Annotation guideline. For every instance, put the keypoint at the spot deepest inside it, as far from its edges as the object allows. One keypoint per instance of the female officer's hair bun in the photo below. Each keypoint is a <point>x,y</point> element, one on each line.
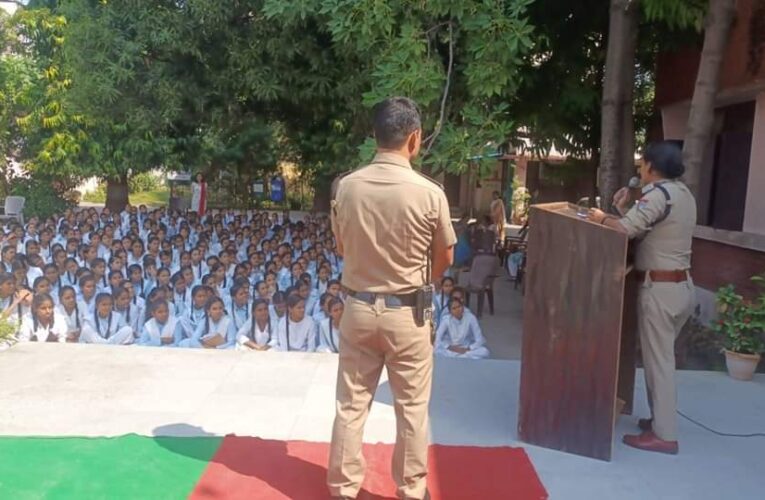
<point>665,157</point>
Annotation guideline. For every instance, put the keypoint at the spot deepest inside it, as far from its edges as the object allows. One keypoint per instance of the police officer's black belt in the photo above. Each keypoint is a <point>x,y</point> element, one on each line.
<point>403,300</point>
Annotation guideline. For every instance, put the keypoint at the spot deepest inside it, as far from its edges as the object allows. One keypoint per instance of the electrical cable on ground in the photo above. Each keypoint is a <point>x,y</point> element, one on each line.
<point>724,434</point>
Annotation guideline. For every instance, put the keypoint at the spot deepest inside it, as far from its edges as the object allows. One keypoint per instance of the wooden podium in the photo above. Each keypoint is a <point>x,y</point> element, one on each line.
<point>579,333</point>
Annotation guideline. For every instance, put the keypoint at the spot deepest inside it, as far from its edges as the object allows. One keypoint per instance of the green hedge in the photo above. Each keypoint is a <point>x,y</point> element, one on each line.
<point>41,199</point>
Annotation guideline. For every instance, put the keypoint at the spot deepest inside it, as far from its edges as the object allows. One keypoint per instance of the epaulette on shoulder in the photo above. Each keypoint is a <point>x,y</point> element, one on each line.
<point>440,186</point>
<point>336,181</point>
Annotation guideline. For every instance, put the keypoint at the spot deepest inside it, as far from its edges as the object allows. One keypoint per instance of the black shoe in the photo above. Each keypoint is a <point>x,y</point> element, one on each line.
<point>645,424</point>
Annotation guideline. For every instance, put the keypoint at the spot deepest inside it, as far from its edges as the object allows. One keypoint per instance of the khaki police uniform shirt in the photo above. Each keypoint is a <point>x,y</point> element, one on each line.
<point>387,215</point>
<point>664,245</point>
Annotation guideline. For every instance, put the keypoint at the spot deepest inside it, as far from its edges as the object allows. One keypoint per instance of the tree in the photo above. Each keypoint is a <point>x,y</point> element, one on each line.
<point>701,118</point>
<point>617,148</point>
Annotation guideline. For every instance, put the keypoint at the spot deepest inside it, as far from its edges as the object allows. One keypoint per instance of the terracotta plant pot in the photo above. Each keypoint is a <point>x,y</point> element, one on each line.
<point>741,366</point>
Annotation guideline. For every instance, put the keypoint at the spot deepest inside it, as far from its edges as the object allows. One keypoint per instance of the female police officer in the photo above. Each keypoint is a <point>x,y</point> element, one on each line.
<point>663,220</point>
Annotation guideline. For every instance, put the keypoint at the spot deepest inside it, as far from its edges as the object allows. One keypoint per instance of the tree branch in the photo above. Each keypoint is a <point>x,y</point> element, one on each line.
<point>431,139</point>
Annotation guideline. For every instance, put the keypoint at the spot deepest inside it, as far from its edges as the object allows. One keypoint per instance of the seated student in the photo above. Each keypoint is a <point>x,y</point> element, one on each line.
<point>136,303</point>
<point>43,323</point>
<point>71,313</point>
<point>296,331</point>
<point>130,313</point>
<point>459,335</point>
<point>213,332</point>
<point>278,307</point>
<point>321,312</point>
<point>115,279</point>
<point>458,293</point>
<point>70,274</point>
<point>181,293</point>
<point>149,275</point>
<point>238,305</point>
<point>87,299</point>
<point>51,273</point>
<point>441,298</point>
<point>272,283</point>
<point>261,291</point>
<point>162,329</point>
<point>104,326</point>
<point>195,314</point>
<point>135,275</point>
<point>258,332</point>
<point>42,285</point>
<point>304,291</point>
<point>98,267</point>
<point>322,280</point>
<point>15,301</point>
<point>329,329</point>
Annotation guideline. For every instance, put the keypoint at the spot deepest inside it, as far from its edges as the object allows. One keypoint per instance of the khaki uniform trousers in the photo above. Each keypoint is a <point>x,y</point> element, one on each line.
<point>663,309</point>
<point>373,336</point>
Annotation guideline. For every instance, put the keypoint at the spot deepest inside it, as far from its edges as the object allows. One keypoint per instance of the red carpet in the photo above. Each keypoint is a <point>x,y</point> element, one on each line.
<point>253,468</point>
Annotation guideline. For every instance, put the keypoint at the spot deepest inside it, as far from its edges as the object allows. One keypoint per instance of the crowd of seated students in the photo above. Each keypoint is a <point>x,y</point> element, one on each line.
<point>250,281</point>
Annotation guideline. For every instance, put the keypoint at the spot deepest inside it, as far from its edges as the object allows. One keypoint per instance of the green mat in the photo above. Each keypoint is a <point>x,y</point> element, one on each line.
<point>128,467</point>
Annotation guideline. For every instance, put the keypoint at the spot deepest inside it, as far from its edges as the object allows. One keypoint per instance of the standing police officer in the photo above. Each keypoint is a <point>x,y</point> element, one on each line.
<point>386,218</point>
<point>663,219</point>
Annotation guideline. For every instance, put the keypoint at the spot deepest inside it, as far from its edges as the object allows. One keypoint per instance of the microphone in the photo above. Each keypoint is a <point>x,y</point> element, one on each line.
<point>634,193</point>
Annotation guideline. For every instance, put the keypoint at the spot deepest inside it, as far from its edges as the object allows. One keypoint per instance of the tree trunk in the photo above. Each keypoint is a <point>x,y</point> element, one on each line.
<point>701,119</point>
<point>116,193</point>
<point>322,192</point>
<point>617,143</point>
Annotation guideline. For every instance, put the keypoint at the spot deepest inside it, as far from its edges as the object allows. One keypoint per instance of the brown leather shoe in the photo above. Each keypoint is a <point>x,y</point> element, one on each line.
<point>645,424</point>
<point>648,441</point>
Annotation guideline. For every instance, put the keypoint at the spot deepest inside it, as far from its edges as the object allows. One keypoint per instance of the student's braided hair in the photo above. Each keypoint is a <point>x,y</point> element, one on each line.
<point>213,300</point>
<point>37,302</point>
<point>332,303</point>
<point>99,299</point>
<point>292,302</point>
<point>61,292</point>
<point>255,305</point>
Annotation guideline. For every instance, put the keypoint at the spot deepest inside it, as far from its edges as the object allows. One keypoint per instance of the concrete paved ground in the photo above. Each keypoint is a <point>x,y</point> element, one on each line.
<point>88,390</point>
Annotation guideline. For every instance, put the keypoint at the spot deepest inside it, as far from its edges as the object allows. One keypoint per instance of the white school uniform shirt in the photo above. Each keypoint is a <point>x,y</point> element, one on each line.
<point>153,332</point>
<point>191,319</point>
<point>32,274</point>
<point>182,301</point>
<point>31,331</point>
<point>222,327</point>
<point>239,315</point>
<point>200,270</point>
<point>102,285</point>
<point>134,317</point>
<point>329,337</point>
<point>74,321</point>
<point>104,327</point>
<point>132,260</point>
<point>104,253</point>
<point>465,332</point>
<point>302,335</point>
<point>69,279</point>
<point>266,336</point>
<point>86,307</point>
<point>45,253</point>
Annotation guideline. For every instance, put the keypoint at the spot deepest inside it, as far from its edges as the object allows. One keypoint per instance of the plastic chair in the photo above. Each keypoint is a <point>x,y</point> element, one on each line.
<point>480,281</point>
<point>13,209</point>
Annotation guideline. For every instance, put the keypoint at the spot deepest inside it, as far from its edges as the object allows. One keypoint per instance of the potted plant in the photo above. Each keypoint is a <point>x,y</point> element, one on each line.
<point>741,322</point>
<point>7,334</point>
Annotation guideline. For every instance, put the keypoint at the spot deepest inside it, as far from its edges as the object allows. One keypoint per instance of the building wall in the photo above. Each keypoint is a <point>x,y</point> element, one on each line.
<point>754,217</point>
<point>676,75</point>
<point>715,264</point>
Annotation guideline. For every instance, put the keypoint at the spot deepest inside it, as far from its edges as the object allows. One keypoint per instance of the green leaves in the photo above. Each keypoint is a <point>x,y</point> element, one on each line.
<point>741,322</point>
